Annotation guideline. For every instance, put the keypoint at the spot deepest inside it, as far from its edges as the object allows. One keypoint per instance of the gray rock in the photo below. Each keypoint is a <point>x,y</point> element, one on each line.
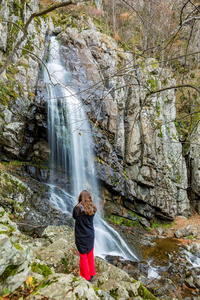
<point>179,233</point>
<point>57,30</point>
<point>160,231</point>
<point>13,256</point>
<point>42,150</point>
<point>190,284</point>
<point>145,222</point>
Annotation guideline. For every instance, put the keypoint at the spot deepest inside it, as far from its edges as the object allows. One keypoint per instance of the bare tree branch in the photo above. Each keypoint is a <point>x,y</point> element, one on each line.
<point>173,87</point>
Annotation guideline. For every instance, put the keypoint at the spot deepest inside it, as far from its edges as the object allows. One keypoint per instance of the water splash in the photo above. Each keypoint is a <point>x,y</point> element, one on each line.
<point>192,259</point>
<point>70,140</point>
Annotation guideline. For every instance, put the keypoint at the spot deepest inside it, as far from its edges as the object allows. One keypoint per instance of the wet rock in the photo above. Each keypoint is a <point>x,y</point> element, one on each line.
<point>160,231</point>
<point>145,223</point>
<point>37,173</point>
<point>190,284</point>
<point>179,233</point>
<point>147,243</point>
<point>197,283</point>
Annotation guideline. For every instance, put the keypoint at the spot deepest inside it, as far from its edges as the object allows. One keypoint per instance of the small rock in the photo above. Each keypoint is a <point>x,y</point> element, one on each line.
<point>179,233</point>
<point>190,284</point>
<point>160,231</point>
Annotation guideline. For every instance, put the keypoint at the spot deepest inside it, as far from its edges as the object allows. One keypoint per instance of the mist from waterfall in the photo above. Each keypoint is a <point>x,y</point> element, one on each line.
<point>70,140</point>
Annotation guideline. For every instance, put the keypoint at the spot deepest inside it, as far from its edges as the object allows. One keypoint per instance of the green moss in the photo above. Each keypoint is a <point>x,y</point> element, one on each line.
<point>114,293</point>
<point>43,284</point>
<point>10,228</point>
<point>168,225</point>
<point>11,69</point>
<point>95,288</point>
<point>160,134</point>
<point>65,263</point>
<point>9,271</point>
<point>158,107</point>
<point>75,279</point>
<point>152,83</point>
<point>6,291</point>
<point>191,237</point>
<point>39,256</point>
<point>18,247</point>
<point>145,294</point>
<point>123,221</point>
<point>41,269</point>
<point>2,213</point>
<point>7,91</point>
<point>155,224</point>
<point>28,46</point>
<point>37,21</point>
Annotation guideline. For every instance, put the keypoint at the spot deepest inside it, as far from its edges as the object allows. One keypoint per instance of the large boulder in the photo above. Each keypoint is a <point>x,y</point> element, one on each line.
<point>14,255</point>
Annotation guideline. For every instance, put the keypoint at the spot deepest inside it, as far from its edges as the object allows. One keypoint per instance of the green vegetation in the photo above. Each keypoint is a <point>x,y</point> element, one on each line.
<point>18,247</point>
<point>155,224</point>
<point>145,294</point>
<point>7,91</point>
<point>75,279</point>
<point>9,271</point>
<point>168,225</point>
<point>95,288</point>
<point>114,293</point>
<point>191,237</point>
<point>123,221</point>
<point>41,269</point>
<point>65,263</point>
<point>6,291</point>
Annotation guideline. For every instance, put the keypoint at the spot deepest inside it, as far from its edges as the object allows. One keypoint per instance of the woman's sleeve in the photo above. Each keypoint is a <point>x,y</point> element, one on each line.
<point>74,213</point>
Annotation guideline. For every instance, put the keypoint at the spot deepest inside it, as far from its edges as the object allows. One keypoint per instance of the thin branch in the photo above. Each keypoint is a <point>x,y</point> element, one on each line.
<point>30,52</point>
<point>19,27</point>
<point>173,87</point>
<point>182,11</point>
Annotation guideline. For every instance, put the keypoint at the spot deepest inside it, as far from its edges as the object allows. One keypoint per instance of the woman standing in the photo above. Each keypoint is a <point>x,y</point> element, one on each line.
<point>84,213</point>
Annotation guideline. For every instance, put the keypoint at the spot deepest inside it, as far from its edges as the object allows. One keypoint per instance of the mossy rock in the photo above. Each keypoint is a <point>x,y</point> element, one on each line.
<point>42,269</point>
<point>9,271</point>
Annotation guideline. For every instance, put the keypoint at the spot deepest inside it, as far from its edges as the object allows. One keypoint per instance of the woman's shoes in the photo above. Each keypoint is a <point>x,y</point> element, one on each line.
<point>91,279</point>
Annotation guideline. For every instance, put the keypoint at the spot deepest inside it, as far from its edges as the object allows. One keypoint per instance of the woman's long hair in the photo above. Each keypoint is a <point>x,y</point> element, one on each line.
<point>85,200</point>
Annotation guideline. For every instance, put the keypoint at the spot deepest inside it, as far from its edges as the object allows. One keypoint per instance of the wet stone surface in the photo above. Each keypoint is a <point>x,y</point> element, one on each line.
<point>164,266</point>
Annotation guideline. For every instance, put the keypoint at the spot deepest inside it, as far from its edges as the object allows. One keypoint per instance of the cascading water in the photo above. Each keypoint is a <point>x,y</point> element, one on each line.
<point>71,150</point>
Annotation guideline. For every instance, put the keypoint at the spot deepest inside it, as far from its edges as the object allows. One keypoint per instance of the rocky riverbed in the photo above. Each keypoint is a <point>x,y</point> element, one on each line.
<point>169,266</point>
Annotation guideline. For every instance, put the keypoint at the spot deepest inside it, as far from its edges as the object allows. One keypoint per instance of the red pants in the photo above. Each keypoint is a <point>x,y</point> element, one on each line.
<point>86,265</point>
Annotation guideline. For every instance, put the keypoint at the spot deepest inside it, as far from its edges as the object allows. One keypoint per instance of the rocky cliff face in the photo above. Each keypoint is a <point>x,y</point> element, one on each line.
<point>21,119</point>
<point>193,170</point>
<point>139,156</point>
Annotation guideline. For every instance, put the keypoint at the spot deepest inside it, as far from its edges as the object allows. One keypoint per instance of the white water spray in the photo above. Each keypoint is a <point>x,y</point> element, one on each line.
<point>70,140</point>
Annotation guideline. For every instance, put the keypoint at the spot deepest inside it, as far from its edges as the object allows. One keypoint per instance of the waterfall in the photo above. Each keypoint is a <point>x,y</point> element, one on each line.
<point>70,140</point>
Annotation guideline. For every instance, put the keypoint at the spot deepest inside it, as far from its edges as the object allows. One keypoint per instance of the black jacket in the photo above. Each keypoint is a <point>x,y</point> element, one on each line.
<point>84,230</point>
